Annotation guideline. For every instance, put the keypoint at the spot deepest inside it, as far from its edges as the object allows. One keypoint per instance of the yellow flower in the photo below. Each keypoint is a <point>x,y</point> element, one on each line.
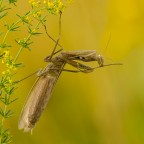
<point>34,3</point>
<point>50,4</point>
<point>9,80</point>
<point>27,19</point>
<point>37,14</point>
<point>6,53</point>
<point>61,7</point>
<point>60,4</point>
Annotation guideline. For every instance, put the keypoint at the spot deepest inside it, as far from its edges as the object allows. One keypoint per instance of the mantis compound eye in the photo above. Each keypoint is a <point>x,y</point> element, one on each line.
<point>80,58</point>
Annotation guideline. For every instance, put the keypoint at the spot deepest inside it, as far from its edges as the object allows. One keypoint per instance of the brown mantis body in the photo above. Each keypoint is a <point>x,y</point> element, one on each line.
<point>40,94</point>
<point>42,90</point>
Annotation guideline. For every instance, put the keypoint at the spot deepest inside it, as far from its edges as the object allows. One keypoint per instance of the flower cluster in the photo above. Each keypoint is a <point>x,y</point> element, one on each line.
<point>10,65</point>
<point>52,6</point>
<point>57,6</point>
<point>8,61</point>
<point>26,19</point>
<point>37,14</point>
<point>34,3</point>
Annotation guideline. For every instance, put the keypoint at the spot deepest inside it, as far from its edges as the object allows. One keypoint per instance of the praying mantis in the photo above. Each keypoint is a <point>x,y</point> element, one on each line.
<point>47,78</point>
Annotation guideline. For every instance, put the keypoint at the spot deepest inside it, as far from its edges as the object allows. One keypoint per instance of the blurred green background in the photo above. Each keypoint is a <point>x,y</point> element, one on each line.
<point>103,107</point>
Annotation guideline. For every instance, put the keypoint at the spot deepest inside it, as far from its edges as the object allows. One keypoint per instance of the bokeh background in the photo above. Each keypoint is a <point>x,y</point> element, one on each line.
<point>103,107</point>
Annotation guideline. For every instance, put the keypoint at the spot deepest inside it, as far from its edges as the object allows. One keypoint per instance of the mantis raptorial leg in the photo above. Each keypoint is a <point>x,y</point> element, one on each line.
<point>56,41</point>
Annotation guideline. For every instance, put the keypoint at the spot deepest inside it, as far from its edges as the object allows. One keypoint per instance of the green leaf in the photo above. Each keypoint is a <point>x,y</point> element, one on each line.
<point>8,113</point>
<point>23,18</point>
<point>18,65</point>
<point>12,1</point>
<point>3,15</point>
<point>13,27</point>
<point>1,55</point>
<point>1,112</point>
<point>11,90</point>
<point>24,43</point>
<point>6,137</point>
<point>5,99</point>
<point>4,45</point>
<point>4,8</point>
<point>14,100</point>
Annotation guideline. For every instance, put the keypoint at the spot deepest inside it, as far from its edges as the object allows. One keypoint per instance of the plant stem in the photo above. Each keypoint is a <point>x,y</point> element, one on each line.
<point>2,122</point>
<point>5,108</point>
